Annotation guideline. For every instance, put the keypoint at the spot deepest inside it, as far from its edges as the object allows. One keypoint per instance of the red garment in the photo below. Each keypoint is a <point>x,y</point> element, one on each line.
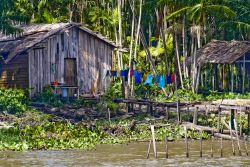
<point>131,72</point>
<point>172,78</point>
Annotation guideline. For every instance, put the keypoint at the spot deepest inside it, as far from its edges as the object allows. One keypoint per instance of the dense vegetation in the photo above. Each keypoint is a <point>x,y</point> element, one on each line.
<point>160,35</point>
<point>25,128</point>
<point>173,29</point>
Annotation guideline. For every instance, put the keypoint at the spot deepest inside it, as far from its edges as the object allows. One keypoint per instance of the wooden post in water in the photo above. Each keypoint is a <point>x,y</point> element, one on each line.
<point>150,141</point>
<point>221,147</point>
<point>195,117</point>
<point>212,147</point>
<point>186,141</point>
<point>153,138</point>
<point>237,136</point>
<point>166,147</point>
<point>231,134</point>
<point>245,141</point>
<point>200,143</point>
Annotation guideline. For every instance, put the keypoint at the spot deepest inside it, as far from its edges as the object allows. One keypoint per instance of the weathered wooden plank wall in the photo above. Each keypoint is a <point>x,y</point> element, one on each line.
<point>92,55</point>
<point>15,73</point>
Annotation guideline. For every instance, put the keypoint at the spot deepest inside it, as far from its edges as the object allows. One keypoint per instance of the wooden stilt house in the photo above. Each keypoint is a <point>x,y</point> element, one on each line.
<point>66,53</point>
<point>224,66</point>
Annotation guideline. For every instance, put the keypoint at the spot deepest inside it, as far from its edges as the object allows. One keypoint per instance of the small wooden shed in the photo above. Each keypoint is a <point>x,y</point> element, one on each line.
<point>68,53</point>
<point>230,64</point>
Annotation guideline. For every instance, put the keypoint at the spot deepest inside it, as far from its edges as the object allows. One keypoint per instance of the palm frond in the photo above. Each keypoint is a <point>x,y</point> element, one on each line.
<point>178,13</point>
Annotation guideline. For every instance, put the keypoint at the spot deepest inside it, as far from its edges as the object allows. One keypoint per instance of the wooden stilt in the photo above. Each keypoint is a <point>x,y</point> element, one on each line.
<point>109,115</point>
<point>232,118</point>
<point>186,141</point>
<point>150,141</point>
<point>153,138</point>
<point>132,107</point>
<point>221,147</point>
<point>219,120</point>
<point>248,121</point>
<point>200,143</point>
<point>231,134</point>
<point>245,142</point>
<point>167,113</point>
<point>240,123</point>
<point>212,147</point>
<point>237,136</point>
<point>195,116</point>
<point>166,147</point>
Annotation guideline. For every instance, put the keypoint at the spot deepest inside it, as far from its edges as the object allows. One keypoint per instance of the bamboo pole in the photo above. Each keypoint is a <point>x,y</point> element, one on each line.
<point>237,136</point>
<point>153,138</point>
<point>186,141</point>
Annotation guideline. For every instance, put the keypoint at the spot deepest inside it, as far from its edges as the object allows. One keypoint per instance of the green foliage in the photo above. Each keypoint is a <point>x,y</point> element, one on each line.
<point>13,100</point>
<point>115,90</point>
<point>49,97</point>
<point>11,12</point>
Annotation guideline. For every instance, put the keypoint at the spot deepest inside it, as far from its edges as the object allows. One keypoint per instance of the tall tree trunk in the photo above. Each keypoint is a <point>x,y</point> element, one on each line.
<point>138,30</point>
<point>120,29</point>
<point>184,45</point>
<point>131,49</point>
<point>178,59</point>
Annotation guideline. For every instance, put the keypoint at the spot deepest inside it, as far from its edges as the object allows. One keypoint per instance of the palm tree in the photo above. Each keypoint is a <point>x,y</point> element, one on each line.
<point>198,14</point>
<point>11,14</point>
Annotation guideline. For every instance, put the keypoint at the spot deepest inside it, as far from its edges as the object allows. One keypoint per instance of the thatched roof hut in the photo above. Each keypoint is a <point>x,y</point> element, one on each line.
<point>229,65</point>
<point>222,52</point>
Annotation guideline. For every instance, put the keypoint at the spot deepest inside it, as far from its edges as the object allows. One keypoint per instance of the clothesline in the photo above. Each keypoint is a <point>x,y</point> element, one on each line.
<point>147,79</point>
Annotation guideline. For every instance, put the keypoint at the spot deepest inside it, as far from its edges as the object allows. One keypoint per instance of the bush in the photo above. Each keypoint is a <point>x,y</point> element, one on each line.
<point>49,97</point>
<point>13,100</point>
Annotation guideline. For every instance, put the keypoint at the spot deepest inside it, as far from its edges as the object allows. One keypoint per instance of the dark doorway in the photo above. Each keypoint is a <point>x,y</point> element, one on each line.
<point>70,73</point>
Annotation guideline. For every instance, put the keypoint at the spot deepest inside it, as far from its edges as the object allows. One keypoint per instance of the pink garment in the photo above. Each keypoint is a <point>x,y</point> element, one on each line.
<point>131,72</point>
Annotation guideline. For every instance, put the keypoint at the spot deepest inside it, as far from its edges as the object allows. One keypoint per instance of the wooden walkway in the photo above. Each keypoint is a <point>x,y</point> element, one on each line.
<point>195,109</point>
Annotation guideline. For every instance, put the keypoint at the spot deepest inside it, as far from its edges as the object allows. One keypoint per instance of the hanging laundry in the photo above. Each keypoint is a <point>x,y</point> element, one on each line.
<point>149,80</point>
<point>168,79</point>
<point>138,76</point>
<point>131,72</point>
<point>161,83</point>
<point>113,73</point>
<point>157,78</point>
<point>124,73</point>
<point>172,78</point>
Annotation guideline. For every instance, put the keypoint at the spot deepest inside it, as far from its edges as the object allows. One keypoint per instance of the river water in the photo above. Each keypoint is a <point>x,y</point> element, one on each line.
<point>132,154</point>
